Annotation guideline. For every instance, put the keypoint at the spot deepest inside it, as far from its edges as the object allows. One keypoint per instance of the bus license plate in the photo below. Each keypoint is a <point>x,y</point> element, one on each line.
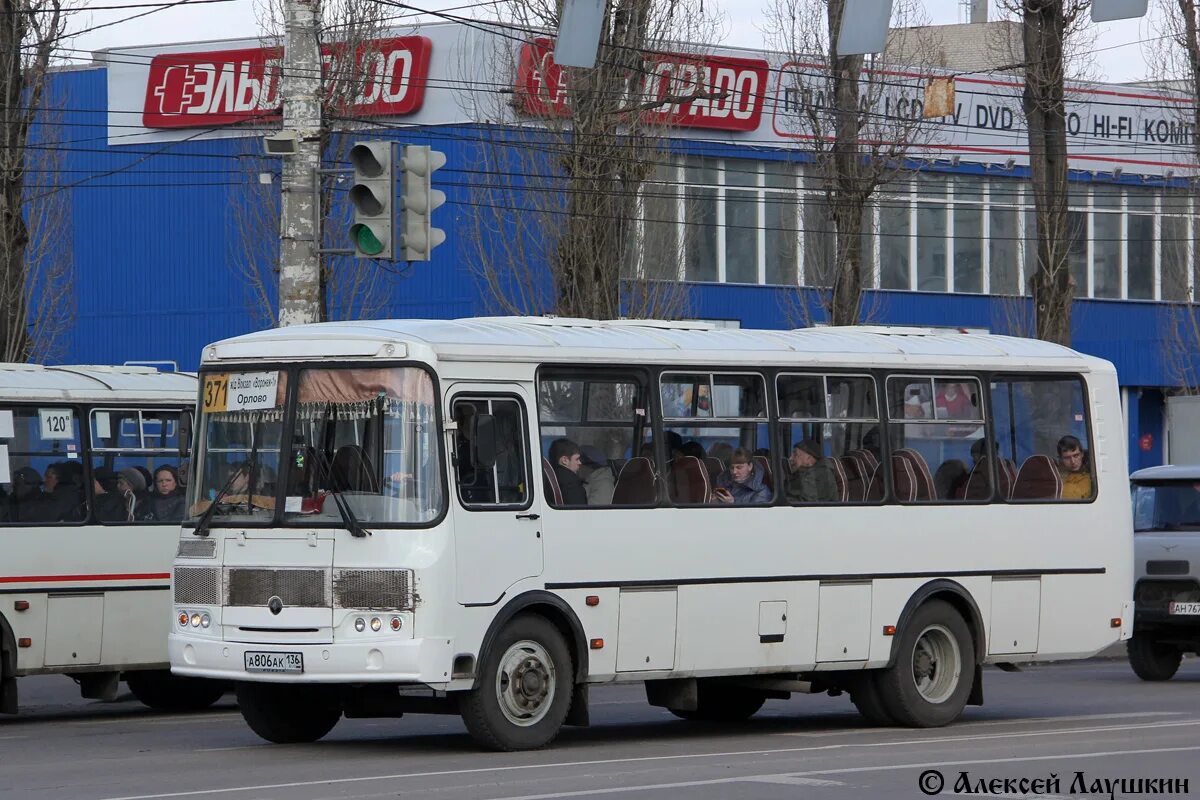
<point>1184,609</point>
<point>274,662</point>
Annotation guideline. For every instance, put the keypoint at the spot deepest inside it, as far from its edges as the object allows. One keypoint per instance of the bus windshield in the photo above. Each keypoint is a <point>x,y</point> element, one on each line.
<point>366,434</point>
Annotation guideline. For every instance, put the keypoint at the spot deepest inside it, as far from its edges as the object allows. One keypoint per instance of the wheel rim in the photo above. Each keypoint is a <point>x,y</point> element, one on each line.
<point>936,663</point>
<point>525,683</point>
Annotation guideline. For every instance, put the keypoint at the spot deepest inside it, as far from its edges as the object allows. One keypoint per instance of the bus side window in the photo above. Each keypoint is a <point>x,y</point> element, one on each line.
<point>937,433</point>
<point>1043,438</point>
<point>830,427</point>
<point>490,452</point>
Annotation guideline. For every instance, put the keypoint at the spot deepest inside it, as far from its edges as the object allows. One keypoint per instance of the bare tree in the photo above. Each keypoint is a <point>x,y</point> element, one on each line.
<point>35,268</point>
<point>569,199</point>
<point>1174,58</point>
<point>349,288</point>
<point>859,117</point>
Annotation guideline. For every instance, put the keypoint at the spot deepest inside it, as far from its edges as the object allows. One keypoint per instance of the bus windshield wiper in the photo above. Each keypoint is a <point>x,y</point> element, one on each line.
<point>206,518</point>
<point>343,505</point>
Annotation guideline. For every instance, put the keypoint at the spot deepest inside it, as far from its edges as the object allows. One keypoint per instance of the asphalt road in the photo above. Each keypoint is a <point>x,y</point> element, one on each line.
<point>1094,719</point>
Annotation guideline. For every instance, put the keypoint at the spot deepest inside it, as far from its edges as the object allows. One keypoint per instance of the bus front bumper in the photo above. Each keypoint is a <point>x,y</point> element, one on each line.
<point>425,661</point>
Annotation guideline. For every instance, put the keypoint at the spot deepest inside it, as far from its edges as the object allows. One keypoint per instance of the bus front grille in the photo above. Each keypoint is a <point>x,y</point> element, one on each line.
<point>373,589</point>
<point>297,588</point>
<point>197,586</point>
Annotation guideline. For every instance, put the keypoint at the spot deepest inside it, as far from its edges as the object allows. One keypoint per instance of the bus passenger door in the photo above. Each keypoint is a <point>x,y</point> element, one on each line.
<point>497,527</point>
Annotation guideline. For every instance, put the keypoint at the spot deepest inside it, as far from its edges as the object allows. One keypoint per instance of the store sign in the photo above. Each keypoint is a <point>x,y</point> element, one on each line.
<point>683,90</point>
<point>223,87</point>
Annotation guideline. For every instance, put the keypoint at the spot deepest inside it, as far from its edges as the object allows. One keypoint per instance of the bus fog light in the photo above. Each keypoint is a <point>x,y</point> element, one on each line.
<point>397,623</point>
<point>360,624</point>
<point>183,619</point>
<point>195,620</point>
<point>205,621</point>
<point>376,624</point>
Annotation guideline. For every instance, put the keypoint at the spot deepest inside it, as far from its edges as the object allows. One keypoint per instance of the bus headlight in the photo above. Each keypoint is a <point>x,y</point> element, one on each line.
<point>360,624</point>
<point>195,620</point>
<point>376,624</point>
<point>205,621</point>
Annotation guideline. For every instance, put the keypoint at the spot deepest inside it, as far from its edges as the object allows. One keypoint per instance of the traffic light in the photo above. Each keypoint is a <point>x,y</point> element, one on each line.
<point>418,200</point>
<point>371,195</point>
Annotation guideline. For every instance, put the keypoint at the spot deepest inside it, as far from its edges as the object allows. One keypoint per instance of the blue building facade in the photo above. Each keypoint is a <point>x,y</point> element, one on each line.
<point>157,240</point>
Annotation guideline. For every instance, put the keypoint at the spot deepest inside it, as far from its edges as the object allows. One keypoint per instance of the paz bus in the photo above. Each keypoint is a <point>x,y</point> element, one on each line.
<point>84,581</point>
<point>385,518</point>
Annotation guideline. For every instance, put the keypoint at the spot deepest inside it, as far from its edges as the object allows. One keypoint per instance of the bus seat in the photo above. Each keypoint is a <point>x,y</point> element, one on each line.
<point>867,461</point>
<point>1037,479</point>
<point>951,479</point>
<point>923,488</point>
<point>550,485</point>
<point>637,484</point>
<point>874,492</point>
<point>856,480</point>
<point>840,479</point>
<point>904,479</point>
<point>1008,477</point>
<point>715,467</point>
<point>978,486</point>
<point>688,480</point>
<point>763,465</point>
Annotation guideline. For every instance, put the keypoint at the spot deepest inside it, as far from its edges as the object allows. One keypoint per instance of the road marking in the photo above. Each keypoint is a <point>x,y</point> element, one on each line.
<point>674,757</point>
<point>1015,734</point>
<point>157,719</point>
<point>849,770</point>
<point>984,723</point>
<point>14,737</point>
<point>792,780</point>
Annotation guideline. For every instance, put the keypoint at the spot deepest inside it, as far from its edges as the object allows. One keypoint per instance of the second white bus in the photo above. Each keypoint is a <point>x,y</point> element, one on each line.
<point>488,516</point>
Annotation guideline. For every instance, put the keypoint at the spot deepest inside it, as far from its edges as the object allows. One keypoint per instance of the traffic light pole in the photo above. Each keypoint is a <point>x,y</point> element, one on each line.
<point>299,260</point>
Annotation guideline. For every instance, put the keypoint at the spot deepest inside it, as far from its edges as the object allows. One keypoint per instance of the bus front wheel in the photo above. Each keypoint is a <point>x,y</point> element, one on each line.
<point>289,714</point>
<point>1152,661</point>
<point>929,683</point>
<point>523,689</point>
<point>162,691</point>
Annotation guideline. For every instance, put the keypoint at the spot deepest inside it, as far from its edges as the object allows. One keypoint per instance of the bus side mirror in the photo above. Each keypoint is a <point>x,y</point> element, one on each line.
<point>483,440</point>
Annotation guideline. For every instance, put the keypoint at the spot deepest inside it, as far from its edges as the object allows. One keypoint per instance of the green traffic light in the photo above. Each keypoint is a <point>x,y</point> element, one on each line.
<point>366,240</point>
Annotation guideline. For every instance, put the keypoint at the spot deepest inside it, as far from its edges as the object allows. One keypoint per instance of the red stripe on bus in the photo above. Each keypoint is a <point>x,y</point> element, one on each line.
<point>116,576</point>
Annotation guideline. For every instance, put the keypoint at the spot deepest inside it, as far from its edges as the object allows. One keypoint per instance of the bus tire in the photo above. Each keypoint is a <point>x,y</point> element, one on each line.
<point>289,714</point>
<point>1151,660</point>
<point>930,681</point>
<point>865,694</point>
<point>717,703</point>
<point>162,691</point>
<point>523,688</point>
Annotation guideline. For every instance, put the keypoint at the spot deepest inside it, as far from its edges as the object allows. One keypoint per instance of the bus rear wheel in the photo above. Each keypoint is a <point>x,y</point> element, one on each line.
<point>162,691</point>
<point>1151,660</point>
<point>523,689</point>
<point>717,703</point>
<point>288,714</point>
<point>930,682</point>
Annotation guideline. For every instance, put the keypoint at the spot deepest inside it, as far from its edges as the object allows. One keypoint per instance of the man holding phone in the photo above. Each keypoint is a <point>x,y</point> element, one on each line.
<point>742,483</point>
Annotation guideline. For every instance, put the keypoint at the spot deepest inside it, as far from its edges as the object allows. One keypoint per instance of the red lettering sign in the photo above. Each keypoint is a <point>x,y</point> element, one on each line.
<point>223,87</point>
<point>687,91</point>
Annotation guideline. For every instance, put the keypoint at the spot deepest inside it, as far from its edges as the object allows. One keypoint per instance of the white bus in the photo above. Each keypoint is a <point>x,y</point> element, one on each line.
<point>85,549</point>
<point>397,519</point>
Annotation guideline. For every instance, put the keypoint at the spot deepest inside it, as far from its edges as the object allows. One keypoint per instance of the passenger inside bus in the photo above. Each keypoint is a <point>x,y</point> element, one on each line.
<point>566,460</point>
<point>597,476</point>
<point>131,486</point>
<point>743,483</point>
<point>1074,469</point>
<point>24,502</point>
<point>109,505</point>
<point>166,502</point>
<point>810,479</point>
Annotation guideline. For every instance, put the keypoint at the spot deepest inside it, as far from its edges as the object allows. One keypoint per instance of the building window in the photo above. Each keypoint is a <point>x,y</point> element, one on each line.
<point>781,222</point>
<point>1173,245</point>
<point>1003,237</point>
<point>895,230</point>
<point>700,218</point>
<point>968,234</point>
<point>660,203</point>
<point>1106,241</point>
<point>1139,244</point>
<point>931,234</point>
<point>741,221</point>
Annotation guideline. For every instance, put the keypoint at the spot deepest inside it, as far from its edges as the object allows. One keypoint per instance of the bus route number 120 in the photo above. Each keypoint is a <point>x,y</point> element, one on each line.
<point>216,392</point>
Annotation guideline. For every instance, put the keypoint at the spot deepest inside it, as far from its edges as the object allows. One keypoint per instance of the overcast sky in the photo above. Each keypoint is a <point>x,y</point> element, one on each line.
<point>1119,56</point>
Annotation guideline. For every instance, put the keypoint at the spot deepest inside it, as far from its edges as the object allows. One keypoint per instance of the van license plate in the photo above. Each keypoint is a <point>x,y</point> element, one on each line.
<point>1184,609</point>
<point>274,662</point>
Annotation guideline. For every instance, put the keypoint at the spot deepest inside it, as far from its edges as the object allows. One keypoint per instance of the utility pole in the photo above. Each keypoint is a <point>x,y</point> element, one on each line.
<point>299,261</point>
